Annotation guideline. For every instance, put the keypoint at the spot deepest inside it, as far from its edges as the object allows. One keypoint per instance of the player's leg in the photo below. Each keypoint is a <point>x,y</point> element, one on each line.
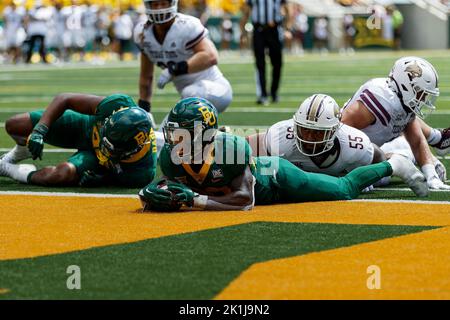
<point>18,128</point>
<point>218,92</point>
<point>276,59</point>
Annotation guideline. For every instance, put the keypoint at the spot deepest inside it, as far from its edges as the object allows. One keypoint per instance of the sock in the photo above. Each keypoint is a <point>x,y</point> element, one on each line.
<point>434,137</point>
<point>365,176</point>
<point>18,172</point>
<point>17,154</point>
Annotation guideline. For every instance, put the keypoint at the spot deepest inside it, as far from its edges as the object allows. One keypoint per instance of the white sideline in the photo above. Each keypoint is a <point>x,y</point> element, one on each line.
<point>131,196</point>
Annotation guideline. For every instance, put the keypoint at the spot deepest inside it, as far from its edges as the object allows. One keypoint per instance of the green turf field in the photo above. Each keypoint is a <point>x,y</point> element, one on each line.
<point>196,255</point>
<point>29,88</point>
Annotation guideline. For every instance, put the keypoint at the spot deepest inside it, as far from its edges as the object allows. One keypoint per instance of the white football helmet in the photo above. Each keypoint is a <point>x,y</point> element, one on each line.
<point>161,15</point>
<point>416,81</point>
<point>315,124</point>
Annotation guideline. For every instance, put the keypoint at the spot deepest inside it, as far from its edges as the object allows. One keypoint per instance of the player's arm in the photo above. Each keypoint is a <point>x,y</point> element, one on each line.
<point>357,116</point>
<point>145,82</point>
<point>419,146</point>
<point>241,196</point>
<point>205,56</point>
<point>82,103</point>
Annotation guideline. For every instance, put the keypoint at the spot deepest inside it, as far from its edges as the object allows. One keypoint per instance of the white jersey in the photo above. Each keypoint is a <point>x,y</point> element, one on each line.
<point>13,19</point>
<point>352,149</point>
<point>183,35</point>
<point>391,115</point>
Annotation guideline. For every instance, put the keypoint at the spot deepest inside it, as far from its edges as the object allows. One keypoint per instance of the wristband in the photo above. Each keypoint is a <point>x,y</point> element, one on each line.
<point>177,69</point>
<point>41,128</point>
<point>144,105</point>
<point>429,171</point>
<point>200,202</point>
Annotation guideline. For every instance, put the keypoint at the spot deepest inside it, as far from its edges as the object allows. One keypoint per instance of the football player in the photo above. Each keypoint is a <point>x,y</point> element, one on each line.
<point>211,170</point>
<point>114,138</point>
<point>178,44</point>
<point>385,108</point>
<point>315,140</point>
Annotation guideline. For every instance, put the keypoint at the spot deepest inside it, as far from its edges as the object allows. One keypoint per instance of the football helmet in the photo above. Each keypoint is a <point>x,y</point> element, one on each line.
<point>416,82</point>
<point>162,15</point>
<point>315,124</point>
<point>123,134</point>
<point>197,118</point>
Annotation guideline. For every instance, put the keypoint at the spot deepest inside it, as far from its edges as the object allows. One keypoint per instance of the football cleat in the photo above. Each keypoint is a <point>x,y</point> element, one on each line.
<point>16,154</point>
<point>403,168</point>
<point>443,146</point>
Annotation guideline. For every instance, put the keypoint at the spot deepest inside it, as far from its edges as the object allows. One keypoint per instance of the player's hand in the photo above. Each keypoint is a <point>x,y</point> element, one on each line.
<point>35,141</point>
<point>164,79</point>
<point>436,184</point>
<point>157,197</point>
<point>91,179</point>
<point>184,194</point>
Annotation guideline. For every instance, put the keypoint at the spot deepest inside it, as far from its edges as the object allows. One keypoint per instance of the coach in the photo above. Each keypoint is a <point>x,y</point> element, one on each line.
<point>267,19</point>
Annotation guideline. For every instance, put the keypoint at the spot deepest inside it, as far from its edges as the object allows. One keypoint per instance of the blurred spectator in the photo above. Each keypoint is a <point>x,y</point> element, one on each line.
<point>74,39</point>
<point>14,32</point>
<point>397,24</point>
<point>300,27</point>
<point>89,19</point>
<point>227,32</point>
<point>56,29</point>
<point>102,25</point>
<point>37,19</point>
<point>321,34</point>
<point>349,34</point>
<point>123,32</point>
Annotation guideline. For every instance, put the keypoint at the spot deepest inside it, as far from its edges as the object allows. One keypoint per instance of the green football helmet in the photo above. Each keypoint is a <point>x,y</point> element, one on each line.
<point>196,115</point>
<point>123,134</point>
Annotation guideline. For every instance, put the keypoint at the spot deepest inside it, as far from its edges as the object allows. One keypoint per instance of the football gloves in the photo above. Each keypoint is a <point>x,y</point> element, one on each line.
<point>35,141</point>
<point>166,196</point>
<point>90,179</point>
<point>164,79</point>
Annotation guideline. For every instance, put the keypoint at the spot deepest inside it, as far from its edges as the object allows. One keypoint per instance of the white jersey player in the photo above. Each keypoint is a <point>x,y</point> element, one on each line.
<point>316,141</point>
<point>386,108</point>
<point>178,44</point>
<point>13,17</point>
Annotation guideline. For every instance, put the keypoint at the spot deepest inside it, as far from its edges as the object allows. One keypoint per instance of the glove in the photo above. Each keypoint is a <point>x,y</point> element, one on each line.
<point>145,105</point>
<point>164,79</point>
<point>35,141</point>
<point>90,179</point>
<point>432,177</point>
<point>157,197</point>
<point>183,193</point>
<point>436,184</point>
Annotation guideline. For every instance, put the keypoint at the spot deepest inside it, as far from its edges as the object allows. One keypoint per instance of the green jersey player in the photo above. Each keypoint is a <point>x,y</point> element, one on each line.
<point>114,139</point>
<point>211,170</point>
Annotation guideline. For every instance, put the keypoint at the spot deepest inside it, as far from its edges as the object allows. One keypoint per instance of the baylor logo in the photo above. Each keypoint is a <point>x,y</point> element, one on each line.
<point>141,138</point>
<point>208,116</point>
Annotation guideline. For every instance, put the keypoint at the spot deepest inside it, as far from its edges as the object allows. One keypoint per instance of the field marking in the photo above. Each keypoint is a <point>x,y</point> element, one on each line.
<point>67,224</point>
<point>230,110</point>
<point>132,196</point>
<point>406,189</point>
<point>413,266</point>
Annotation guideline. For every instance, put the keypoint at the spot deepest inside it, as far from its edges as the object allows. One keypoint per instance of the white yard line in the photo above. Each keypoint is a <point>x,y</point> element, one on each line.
<point>406,189</point>
<point>131,196</point>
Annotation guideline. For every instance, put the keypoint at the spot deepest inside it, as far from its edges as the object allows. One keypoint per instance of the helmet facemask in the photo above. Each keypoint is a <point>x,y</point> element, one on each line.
<point>188,143</point>
<point>159,16</point>
<point>313,141</point>
<point>423,101</point>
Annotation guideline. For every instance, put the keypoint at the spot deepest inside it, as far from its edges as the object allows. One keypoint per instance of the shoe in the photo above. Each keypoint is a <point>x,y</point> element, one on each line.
<point>403,168</point>
<point>275,99</point>
<point>17,154</point>
<point>262,101</point>
<point>443,146</point>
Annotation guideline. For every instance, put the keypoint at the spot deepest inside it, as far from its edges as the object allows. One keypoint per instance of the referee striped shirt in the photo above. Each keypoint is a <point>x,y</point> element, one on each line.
<point>266,11</point>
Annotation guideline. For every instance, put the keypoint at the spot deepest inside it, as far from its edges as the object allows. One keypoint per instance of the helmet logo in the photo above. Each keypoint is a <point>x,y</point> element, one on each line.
<point>208,116</point>
<point>414,71</point>
<point>141,138</point>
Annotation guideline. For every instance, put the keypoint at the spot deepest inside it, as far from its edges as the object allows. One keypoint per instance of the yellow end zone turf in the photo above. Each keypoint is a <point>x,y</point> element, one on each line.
<point>33,226</point>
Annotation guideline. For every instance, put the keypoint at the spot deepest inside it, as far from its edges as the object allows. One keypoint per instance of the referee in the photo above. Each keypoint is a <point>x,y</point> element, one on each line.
<point>267,19</point>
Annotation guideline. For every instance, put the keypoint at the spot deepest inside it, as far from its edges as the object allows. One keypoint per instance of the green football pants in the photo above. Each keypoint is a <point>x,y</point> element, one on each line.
<point>279,181</point>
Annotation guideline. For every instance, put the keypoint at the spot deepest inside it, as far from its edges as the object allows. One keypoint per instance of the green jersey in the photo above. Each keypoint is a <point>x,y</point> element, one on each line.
<point>225,159</point>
